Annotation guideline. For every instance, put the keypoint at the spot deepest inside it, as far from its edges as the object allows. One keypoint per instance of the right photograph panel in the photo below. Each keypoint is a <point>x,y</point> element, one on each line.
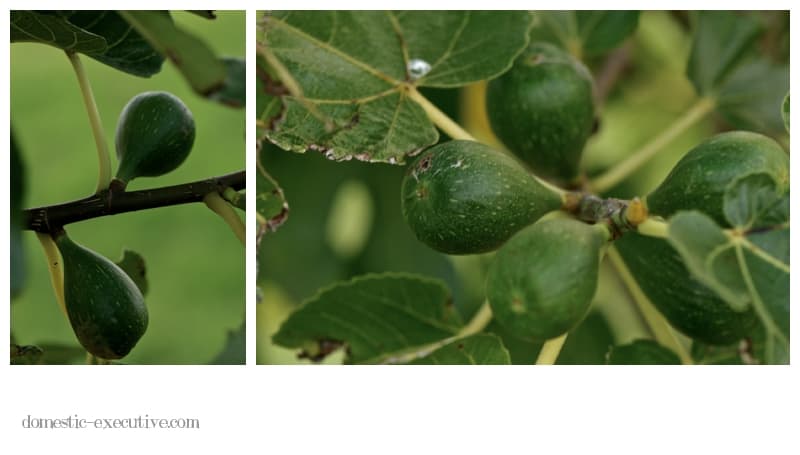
<point>515,187</point>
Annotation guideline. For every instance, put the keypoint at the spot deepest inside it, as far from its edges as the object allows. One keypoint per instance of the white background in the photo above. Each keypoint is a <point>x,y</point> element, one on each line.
<point>403,410</point>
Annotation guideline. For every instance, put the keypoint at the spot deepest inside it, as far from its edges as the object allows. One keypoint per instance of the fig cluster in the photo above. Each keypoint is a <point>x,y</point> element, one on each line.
<point>463,197</point>
<point>106,309</point>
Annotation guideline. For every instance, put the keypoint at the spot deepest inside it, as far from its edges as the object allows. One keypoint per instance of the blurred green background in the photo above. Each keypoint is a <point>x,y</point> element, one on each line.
<point>350,223</point>
<point>195,265</point>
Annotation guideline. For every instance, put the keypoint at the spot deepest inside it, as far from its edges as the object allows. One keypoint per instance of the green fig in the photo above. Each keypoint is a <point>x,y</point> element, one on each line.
<point>699,180</point>
<point>105,308</point>
<point>688,305</point>
<point>543,110</point>
<point>462,197</point>
<point>155,134</point>
<point>642,352</point>
<point>542,281</point>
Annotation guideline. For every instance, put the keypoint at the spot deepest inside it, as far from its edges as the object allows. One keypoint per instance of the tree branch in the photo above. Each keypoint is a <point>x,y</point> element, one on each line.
<point>52,218</point>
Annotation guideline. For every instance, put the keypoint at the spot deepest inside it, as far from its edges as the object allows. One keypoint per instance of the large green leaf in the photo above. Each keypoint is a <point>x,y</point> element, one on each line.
<point>721,41</point>
<point>18,188</point>
<point>481,349</point>
<point>344,82</point>
<point>585,33</point>
<point>101,35</point>
<point>374,316</point>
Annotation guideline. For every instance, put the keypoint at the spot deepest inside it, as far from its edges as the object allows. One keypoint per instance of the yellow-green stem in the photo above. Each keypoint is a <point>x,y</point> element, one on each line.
<point>634,161</point>
<point>54,267</point>
<point>439,118</point>
<point>550,351</point>
<point>222,208</point>
<point>103,157</point>
<point>655,321</point>
<point>653,228</point>
<point>478,322</point>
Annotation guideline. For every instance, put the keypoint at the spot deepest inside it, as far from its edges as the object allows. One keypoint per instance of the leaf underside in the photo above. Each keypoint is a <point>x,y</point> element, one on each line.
<point>101,35</point>
<point>350,72</point>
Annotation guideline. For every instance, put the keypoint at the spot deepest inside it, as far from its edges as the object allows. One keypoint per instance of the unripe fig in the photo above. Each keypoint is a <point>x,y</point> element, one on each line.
<point>542,281</point>
<point>155,134</point>
<point>687,304</point>
<point>105,308</point>
<point>462,197</point>
<point>543,110</point>
<point>699,180</point>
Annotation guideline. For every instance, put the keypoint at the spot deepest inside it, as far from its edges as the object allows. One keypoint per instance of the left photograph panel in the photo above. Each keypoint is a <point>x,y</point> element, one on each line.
<point>127,187</point>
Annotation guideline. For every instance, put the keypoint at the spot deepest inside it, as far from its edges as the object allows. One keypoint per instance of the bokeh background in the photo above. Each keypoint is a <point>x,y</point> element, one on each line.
<point>195,265</point>
<point>345,218</point>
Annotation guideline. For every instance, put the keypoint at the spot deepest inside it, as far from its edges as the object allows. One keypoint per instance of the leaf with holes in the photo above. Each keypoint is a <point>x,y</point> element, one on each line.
<point>481,349</point>
<point>374,317</point>
<point>585,33</point>
<point>101,35</point>
<point>345,83</point>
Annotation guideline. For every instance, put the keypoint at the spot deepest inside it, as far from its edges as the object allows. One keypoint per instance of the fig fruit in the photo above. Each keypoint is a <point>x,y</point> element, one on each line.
<point>688,305</point>
<point>462,197</point>
<point>699,180</point>
<point>105,308</point>
<point>542,281</point>
<point>542,109</point>
<point>155,134</point>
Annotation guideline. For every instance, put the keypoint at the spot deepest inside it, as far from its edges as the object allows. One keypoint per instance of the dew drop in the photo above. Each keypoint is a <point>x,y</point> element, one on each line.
<point>418,68</point>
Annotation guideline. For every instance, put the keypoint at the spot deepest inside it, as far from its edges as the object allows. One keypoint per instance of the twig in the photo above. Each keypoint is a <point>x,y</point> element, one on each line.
<point>52,218</point>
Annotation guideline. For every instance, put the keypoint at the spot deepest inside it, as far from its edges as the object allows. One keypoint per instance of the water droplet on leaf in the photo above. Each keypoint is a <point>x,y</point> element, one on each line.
<point>418,68</point>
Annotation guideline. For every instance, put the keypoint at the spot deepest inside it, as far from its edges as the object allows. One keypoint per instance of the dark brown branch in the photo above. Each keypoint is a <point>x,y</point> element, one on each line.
<point>52,218</point>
